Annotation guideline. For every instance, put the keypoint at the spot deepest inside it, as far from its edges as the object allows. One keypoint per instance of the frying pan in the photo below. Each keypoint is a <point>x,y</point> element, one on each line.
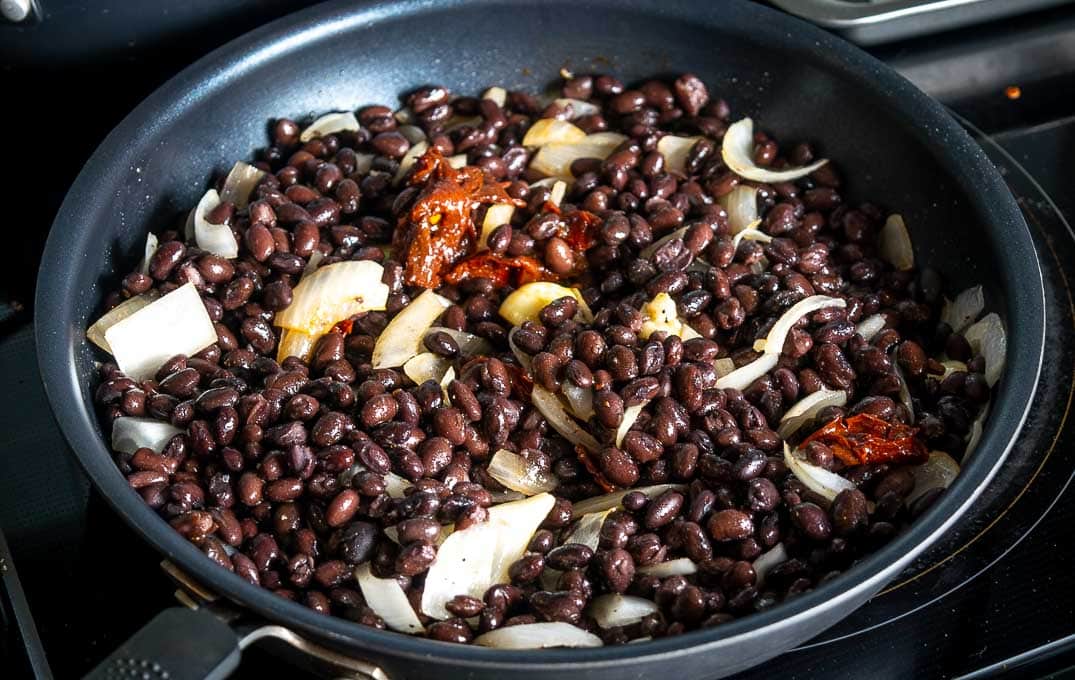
<point>895,145</point>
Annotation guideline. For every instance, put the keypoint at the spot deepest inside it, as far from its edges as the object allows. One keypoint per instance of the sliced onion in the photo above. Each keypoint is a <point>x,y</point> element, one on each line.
<point>497,95</point>
<point>408,160</point>
<point>576,108</point>
<point>557,193</point>
<point>403,337</point>
<point>412,133</point>
<point>819,480</point>
<point>553,409</point>
<point>130,434</point>
<point>506,496</point>
<point>742,377</point>
<point>952,366</point>
<point>396,486</point>
<point>579,400</point>
<point>496,215</point>
<point>552,131</point>
<point>526,302</point>
<point>188,226</point>
<point>469,344</point>
<point>240,183</point>
<point>150,250</point>
<point>538,636</point>
<point>612,610</point>
<point>660,314</point>
<point>313,262</point>
<point>213,238</point>
<point>613,500</point>
<point>363,163</point>
<point>514,472</point>
<point>630,415</point>
<point>426,366</point>
<point>682,566</point>
<point>751,233</point>
<point>724,367</point>
<point>472,560</point>
<point>457,161</point>
<point>938,472</point>
<point>742,206</point>
<point>778,554</point>
<point>987,337</point>
<point>649,250</point>
<point>905,390</point>
<point>387,600</point>
<point>295,343</point>
<point>774,341</point>
<point>959,313</point>
<point>806,409</point>
<point>330,123</point>
<point>334,293</point>
<point>96,332</point>
<point>737,150</point>
<point>587,530</point>
<point>675,151</point>
<point>895,245</point>
<point>456,122</point>
<point>176,323</point>
<point>522,357</point>
<point>686,332</point>
<point>446,380</point>
<point>555,160</point>
<point>871,326</point>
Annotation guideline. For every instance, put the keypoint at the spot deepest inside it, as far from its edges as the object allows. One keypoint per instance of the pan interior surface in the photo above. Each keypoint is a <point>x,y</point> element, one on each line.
<point>892,144</point>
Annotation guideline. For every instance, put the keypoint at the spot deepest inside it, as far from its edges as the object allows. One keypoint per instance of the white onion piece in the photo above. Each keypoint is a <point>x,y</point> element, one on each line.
<point>522,357</point>
<point>387,600</point>
<point>895,244</point>
<point>660,314</point>
<point>579,400</point>
<point>737,150</point>
<point>213,238</point>
<point>959,313</point>
<point>412,133</point>
<point>905,390</point>
<point>723,367</point>
<point>778,554</point>
<point>612,610</point>
<point>240,183</point>
<point>456,122</point>
<point>497,95</point>
<point>468,343</point>
<point>446,380</point>
<point>557,192</point>
<point>363,163</point>
<point>404,116</point>
<point>552,131</point>
<point>330,123</point>
<point>176,323</point>
<point>807,408</point>
<point>686,332</point>
<point>403,336</point>
<point>611,501</point>
<point>408,160</point>
<point>819,480</point>
<point>150,250</point>
<point>334,293</point>
<point>538,636</point>
<point>742,377</point>
<point>576,108</point>
<point>587,530</point>
<point>514,472</point>
<point>545,183</point>
<point>130,434</point>
<point>871,326</point>
<point>987,337</point>
<point>774,341</point>
<point>649,250</point>
<point>751,233</point>
<point>526,302</point>
<point>188,226</point>
<point>507,496</point>
<point>675,151</point>
<point>457,161</point>
<point>496,215</point>
<point>553,409</point>
<point>472,560</point>
<point>295,343</point>
<point>555,160</point>
<point>938,472</point>
<point>630,415</point>
<point>682,566</point>
<point>313,262</point>
<point>742,206</point>
<point>396,486</point>
<point>426,366</point>
<point>96,332</point>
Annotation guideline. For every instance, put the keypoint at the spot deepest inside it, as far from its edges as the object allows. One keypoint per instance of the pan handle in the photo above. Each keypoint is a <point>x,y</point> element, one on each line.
<point>178,644</point>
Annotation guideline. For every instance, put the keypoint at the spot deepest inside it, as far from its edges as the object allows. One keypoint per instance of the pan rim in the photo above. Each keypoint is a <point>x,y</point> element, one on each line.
<point>972,174</point>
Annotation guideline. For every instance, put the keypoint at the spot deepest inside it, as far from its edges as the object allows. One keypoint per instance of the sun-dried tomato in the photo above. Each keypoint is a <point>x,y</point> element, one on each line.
<point>344,326</point>
<point>582,227</point>
<point>863,438</point>
<point>584,457</point>
<point>439,229</point>
<point>501,270</point>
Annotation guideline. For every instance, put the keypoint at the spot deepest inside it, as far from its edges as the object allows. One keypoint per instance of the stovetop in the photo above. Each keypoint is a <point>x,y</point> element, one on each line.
<point>994,596</point>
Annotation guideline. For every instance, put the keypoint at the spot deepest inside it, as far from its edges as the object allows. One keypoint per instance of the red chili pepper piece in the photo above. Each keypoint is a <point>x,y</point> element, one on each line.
<point>582,227</point>
<point>584,457</point>
<point>863,438</point>
<point>344,326</point>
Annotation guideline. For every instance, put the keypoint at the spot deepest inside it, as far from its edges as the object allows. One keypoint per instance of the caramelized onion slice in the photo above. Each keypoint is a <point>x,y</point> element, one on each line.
<point>737,150</point>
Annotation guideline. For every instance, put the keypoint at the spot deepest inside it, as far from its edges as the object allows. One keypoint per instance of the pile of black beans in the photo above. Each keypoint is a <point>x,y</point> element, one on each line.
<point>262,477</point>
